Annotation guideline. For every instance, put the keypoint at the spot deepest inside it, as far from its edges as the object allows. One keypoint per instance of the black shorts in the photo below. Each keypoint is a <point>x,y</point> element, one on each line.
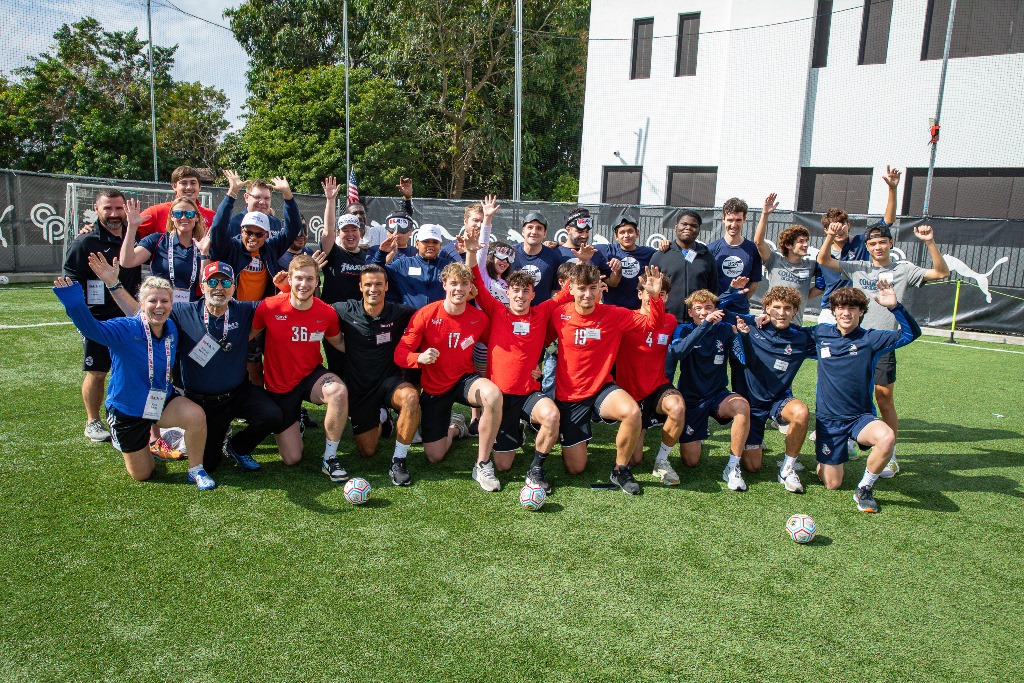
<point>649,415</point>
<point>513,409</point>
<point>290,402</point>
<point>831,437</point>
<point>129,433</point>
<point>364,409</point>
<point>575,416</point>
<point>436,410</point>
<point>255,351</point>
<point>95,357</point>
<point>885,369</point>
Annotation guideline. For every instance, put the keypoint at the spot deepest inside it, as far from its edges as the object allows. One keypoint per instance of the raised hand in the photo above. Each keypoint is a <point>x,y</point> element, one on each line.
<point>133,207</point>
<point>63,282</point>
<point>715,316</point>
<point>615,264</point>
<point>203,245</point>
<point>460,244</point>
<point>320,258</point>
<point>405,187</point>
<point>104,271</point>
<point>585,252</point>
<point>837,230</point>
<point>330,185</point>
<point>739,283</point>
<point>390,243</point>
<point>652,281</point>
<point>741,325</point>
<point>280,183</point>
<point>428,357</point>
<point>491,207</point>
<point>471,239</point>
<point>891,177</point>
<point>281,281</point>
<point>770,204</point>
<point>234,182</point>
<point>924,233</point>
<point>886,294</point>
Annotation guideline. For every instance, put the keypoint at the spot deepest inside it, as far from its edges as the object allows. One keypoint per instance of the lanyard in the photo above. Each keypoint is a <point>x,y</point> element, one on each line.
<point>170,262</point>
<point>206,324</point>
<point>149,353</point>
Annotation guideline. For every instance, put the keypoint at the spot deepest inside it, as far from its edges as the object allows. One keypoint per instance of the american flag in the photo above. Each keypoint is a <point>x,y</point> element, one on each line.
<point>353,188</point>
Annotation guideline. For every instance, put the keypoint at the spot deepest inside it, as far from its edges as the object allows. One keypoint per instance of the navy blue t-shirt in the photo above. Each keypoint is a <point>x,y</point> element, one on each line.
<point>633,263</point>
<point>771,359</point>
<point>743,260</point>
<point>286,257</point>
<point>225,371</point>
<point>543,267</point>
<point>704,360</point>
<point>451,250</point>
<point>187,268</point>
<point>597,259</point>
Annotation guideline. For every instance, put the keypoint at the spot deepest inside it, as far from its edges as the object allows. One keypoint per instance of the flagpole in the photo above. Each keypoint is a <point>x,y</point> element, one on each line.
<point>344,24</point>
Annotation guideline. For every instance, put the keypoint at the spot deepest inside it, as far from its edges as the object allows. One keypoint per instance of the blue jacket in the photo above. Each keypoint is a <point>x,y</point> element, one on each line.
<point>771,359</point>
<point>417,288</point>
<point>126,339</point>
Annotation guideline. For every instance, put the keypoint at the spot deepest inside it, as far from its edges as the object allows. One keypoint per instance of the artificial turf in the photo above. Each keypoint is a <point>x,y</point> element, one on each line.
<point>273,576</point>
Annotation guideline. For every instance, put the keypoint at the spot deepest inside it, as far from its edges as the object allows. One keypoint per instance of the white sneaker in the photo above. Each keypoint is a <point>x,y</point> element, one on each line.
<point>892,468</point>
<point>783,428</point>
<point>663,470</point>
<point>734,478</point>
<point>459,422</point>
<point>791,481</point>
<point>853,450</point>
<point>95,431</point>
<point>483,474</point>
<point>797,466</point>
<point>417,437</point>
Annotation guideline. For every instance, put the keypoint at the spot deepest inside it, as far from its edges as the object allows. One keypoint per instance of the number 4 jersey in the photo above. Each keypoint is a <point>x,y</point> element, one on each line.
<point>452,335</point>
<point>293,339</point>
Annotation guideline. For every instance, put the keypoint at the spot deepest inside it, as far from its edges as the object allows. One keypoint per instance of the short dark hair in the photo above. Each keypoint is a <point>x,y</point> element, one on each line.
<point>185,172</point>
<point>259,183</point>
<point>109,193</point>
<point>848,296</point>
<point>734,205</point>
<point>692,214</point>
<point>520,278</point>
<point>834,215</point>
<point>564,271</point>
<point>585,274</point>
<point>372,269</point>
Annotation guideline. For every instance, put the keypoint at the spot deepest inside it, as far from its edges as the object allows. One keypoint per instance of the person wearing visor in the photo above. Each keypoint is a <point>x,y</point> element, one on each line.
<point>417,278</point>
<point>579,225</point>
<point>627,261</point>
<point>211,371</point>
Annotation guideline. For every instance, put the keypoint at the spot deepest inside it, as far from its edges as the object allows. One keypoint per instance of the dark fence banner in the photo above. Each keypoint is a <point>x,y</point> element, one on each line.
<point>40,214</point>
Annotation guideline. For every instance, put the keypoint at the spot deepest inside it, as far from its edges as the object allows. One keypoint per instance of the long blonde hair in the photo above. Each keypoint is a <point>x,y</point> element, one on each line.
<point>199,231</point>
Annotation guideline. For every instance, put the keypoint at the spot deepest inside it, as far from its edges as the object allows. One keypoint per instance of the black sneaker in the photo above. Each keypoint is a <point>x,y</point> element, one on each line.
<point>865,498</point>
<point>535,475</point>
<point>474,427</point>
<point>387,426</point>
<point>623,478</point>
<point>306,420</point>
<point>400,473</point>
<point>332,468</point>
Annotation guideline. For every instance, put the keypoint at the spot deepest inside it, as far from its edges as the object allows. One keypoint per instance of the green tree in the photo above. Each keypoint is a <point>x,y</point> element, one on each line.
<point>83,108</point>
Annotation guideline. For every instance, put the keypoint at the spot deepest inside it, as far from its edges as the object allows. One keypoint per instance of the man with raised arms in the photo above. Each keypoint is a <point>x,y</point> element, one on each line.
<point>790,266</point>
<point>295,323</point>
<point>589,334</point>
<point>439,341</point>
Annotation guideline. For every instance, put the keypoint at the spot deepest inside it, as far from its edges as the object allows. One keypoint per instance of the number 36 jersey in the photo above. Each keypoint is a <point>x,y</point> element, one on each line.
<point>293,336</point>
<point>452,335</point>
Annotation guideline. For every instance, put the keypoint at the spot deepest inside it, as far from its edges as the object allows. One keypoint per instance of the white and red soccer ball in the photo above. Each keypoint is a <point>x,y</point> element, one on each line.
<point>532,497</point>
<point>801,528</point>
<point>357,490</point>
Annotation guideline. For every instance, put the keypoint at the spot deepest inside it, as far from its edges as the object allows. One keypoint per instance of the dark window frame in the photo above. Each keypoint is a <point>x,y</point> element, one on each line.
<point>871,9</point>
<point>914,176</point>
<point>635,68</point>
<point>608,170</point>
<point>673,170</point>
<point>805,193</point>
<point>822,31</point>
<point>965,42</point>
<point>684,65</point>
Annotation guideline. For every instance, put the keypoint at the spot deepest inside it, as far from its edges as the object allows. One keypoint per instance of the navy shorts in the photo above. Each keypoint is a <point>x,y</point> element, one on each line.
<point>364,409</point>
<point>697,414</point>
<point>513,409</point>
<point>575,416</point>
<point>649,415</point>
<point>830,446</point>
<point>758,414</point>
<point>436,410</point>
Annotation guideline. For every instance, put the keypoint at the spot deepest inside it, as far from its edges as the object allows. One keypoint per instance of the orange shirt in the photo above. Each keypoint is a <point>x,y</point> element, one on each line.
<point>252,282</point>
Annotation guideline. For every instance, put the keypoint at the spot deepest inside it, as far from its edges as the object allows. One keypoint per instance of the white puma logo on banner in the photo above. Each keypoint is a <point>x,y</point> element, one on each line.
<point>958,266</point>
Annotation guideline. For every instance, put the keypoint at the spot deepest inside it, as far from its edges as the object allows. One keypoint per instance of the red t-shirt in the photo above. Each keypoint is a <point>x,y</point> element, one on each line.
<point>293,339</point>
<point>640,368</point>
<point>588,344</point>
<point>154,219</point>
<point>516,342</point>
<point>452,335</point>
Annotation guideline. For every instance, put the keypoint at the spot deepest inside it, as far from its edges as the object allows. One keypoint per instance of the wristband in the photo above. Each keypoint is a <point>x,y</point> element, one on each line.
<point>114,287</point>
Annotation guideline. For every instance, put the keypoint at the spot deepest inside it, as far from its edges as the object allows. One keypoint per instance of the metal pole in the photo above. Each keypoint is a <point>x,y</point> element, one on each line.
<point>938,107</point>
<point>348,160</point>
<point>517,153</point>
<point>956,305</point>
<point>152,94</point>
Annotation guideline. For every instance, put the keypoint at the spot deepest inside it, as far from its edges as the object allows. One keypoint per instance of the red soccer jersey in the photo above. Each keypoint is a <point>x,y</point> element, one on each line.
<point>154,219</point>
<point>293,339</point>
<point>588,344</point>
<point>640,368</point>
<point>516,342</point>
<point>452,335</point>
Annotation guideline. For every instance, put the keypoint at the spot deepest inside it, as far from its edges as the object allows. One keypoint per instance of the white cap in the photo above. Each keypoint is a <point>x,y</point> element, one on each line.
<point>348,219</point>
<point>430,231</point>
<point>257,220</point>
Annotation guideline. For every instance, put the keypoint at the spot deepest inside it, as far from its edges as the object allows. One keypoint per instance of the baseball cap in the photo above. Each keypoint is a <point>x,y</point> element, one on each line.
<point>214,267</point>
<point>430,231</point>
<point>399,221</point>
<point>579,218</point>
<point>877,230</point>
<point>535,216</point>
<point>257,220</point>
<point>626,217</point>
<point>348,219</point>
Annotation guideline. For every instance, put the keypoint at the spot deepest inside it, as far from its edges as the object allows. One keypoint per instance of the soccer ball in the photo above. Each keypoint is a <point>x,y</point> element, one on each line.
<point>801,528</point>
<point>357,490</point>
<point>532,497</point>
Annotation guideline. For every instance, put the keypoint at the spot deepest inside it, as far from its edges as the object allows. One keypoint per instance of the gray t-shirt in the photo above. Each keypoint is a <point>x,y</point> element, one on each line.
<point>798,275</point>
<point>865,277</point>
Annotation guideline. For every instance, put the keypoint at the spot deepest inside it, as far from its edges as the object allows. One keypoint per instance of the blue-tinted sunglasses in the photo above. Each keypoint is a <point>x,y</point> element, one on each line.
<point>179,214</point>
<point>225,282</point>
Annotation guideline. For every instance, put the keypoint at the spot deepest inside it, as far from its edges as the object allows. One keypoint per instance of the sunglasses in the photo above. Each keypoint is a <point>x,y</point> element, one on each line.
<point>224,282</point>
<point>506,255</point>
<point>252,233</point>
<point>179,214</point>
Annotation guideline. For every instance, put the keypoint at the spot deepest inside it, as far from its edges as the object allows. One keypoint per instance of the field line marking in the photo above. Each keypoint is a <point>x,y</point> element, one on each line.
<point>968,346</point>
<point>22,327</point>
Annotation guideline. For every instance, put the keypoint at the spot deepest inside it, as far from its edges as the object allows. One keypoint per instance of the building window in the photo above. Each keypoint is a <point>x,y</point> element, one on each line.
<point>980,28</point>
<point>643,42</point>
<point>691,186</point>
<point>874,32</point>
<point>966,192</point>
<point>621,185</point>
<point>686,44</point>
<point>822,27</point>
<point>824,188</point>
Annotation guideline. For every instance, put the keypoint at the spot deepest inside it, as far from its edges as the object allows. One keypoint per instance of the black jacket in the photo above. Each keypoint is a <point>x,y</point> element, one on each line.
<point>687,276</point>
<point>76,266</point>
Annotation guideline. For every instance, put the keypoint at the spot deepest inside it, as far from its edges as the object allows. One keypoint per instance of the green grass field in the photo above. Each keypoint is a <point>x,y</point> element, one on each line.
<point>274,576</point>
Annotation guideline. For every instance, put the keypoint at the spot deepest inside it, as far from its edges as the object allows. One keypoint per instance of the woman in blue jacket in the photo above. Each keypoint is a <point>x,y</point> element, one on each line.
<point>140,394</point>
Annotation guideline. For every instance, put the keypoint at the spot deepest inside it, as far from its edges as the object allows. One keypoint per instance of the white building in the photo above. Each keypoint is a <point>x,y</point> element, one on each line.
<point>690,102</point>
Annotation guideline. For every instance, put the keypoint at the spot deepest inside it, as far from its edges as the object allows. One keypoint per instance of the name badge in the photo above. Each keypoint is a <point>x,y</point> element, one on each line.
<point>801,274</point>
<point>663,339</point>
<point>467,342</point>
<point>690,256</point>
<point>154,404</point>
<point>719,359</point>
<point>94,292</point>
<point>204,350</point>
<point>825,352</point>
<point>415,270</point>
<point>181,296</point>
<point>520,327</point>
<point>316,337</point>
<point>781,365</point>
<point>383,337</point>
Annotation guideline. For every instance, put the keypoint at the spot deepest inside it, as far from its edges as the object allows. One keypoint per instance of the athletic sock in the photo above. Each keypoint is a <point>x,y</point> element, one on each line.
<point>789,463</point>
<point>892,458</point>
<point>330,449</point>
<point>196,469</point>
<point>538,459</point>
<point>734,460</point>
<point>663,453</point>
<point>401,451</point>
<point>868,479</point>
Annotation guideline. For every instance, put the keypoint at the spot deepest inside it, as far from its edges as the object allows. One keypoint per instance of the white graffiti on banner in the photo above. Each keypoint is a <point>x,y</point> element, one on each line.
<point>316,227</point>
<point>3,240</point>
<point>958,266</point>
<point>49,221</point>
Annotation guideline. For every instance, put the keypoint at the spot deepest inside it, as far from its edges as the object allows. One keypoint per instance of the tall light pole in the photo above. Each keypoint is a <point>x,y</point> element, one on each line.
<point>938,107</point>
<point>517,145</point>
<point>152,94</point>
<point>348,161</point>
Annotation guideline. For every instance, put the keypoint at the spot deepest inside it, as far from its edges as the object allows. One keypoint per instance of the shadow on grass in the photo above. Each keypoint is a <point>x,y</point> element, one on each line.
<point>914,430</point>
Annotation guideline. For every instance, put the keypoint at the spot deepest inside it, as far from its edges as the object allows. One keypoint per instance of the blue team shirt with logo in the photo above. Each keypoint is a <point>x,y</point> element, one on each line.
<point>633,263</point>
<point>543,267</point>
<point>743,260</point>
